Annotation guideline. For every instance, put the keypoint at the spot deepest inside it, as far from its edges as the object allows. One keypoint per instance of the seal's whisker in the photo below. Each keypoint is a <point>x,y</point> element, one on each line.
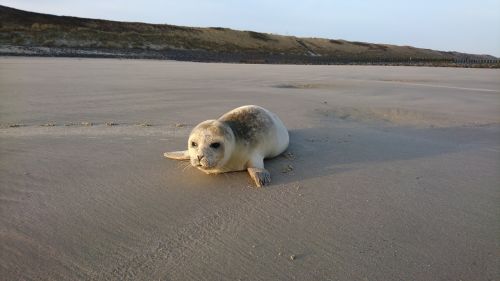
<point>183,165</point>
<point>187,165</point>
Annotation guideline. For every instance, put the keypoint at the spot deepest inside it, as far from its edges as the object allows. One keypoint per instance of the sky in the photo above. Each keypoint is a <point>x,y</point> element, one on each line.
<point>448,25</point>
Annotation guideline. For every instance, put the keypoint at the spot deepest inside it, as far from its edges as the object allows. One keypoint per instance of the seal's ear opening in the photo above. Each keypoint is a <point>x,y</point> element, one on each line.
<point>177,155</point>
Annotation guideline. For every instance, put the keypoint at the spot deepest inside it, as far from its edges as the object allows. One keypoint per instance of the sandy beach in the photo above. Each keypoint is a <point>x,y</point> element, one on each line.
<point>392,173</point>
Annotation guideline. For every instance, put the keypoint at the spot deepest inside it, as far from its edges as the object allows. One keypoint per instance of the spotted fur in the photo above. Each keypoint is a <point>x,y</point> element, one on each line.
<point>245,136</point>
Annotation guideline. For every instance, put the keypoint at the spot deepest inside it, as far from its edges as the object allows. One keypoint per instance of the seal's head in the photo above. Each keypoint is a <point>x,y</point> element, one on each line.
<point>210,145</point>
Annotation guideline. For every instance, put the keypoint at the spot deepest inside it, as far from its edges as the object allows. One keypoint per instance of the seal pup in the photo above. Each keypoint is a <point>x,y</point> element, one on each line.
<point>239,140</point>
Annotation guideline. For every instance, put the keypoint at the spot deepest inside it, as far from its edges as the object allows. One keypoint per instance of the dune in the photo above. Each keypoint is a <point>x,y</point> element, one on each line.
<point>391,173</point>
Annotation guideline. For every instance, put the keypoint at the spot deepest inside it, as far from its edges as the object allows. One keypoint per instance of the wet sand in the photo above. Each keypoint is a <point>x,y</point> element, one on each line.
<point>391,174</point>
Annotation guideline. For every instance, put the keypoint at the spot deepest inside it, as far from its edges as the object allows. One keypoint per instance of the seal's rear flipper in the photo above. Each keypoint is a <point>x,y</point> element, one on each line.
<point>177,155</point>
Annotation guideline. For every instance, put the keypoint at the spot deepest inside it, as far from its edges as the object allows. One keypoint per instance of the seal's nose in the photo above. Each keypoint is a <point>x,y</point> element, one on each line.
<point>200,157</point>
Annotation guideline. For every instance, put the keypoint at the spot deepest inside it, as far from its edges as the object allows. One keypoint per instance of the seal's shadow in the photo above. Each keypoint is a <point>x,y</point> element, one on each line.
<point>317,152</point>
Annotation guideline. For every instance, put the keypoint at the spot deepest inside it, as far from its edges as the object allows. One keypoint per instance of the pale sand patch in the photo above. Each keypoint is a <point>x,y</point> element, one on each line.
<point>401,116</point>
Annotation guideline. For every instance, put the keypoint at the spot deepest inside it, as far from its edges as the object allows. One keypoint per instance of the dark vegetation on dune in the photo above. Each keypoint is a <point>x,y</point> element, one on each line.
<point>28,33</point>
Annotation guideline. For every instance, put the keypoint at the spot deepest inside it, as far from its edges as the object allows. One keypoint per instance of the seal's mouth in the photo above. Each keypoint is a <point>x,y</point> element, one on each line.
<point>202,167</point>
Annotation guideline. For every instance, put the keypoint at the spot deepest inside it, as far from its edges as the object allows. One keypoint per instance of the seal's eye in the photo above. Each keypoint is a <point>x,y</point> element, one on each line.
<point>215,145</point>
<point>193,144</point>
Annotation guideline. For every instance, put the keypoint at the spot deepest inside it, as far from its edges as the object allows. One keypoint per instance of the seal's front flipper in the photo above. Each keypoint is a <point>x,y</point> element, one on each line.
<point>260,176</point>
<point>177,155</point>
